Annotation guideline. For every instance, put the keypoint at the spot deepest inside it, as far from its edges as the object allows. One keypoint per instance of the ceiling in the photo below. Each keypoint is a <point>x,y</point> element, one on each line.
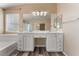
<point>6,5</point>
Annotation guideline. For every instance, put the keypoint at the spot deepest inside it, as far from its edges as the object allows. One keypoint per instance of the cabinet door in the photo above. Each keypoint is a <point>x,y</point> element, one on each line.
<point>28,42</point>
<point>51,42</point>
<point>20,42</point>
<point>59,41</point>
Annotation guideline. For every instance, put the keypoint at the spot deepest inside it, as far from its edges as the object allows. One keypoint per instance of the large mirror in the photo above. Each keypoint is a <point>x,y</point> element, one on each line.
<point>36,23</point>
<point>41,23</point>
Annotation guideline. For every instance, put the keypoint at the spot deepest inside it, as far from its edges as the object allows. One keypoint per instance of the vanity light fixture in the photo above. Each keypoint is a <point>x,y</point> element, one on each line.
<point>39,13</point>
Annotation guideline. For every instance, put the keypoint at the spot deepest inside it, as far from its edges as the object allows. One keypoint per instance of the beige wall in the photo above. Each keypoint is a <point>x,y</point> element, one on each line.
<point>1,21</point>
<point>52,7</point>
<point>71,29</point>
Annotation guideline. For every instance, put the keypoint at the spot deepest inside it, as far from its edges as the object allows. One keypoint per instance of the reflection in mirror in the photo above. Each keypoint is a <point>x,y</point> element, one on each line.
<point>42,26</point>
<point>41,23</point>
<point>27,26</point>
<point>58,22</point>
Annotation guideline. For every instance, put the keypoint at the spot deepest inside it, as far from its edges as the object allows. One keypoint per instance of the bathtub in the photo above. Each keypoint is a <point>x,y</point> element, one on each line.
<point>6,48</point>
<point>8,44</point>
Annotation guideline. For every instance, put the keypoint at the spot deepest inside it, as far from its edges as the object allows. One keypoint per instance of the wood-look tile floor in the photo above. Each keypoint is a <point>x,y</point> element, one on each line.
<point>40,51</point>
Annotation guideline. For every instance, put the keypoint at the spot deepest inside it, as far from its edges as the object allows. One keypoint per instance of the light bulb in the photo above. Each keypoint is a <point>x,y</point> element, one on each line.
<point>37,13</point>
<point>45,13</point>
<point>41,13</point>
<point>34,13</point>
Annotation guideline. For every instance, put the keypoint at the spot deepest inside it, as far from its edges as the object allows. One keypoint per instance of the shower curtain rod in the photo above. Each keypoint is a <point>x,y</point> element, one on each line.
<point>77,19</point>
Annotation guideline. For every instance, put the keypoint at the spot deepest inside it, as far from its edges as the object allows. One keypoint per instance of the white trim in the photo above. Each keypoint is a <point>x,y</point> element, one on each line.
<point>64,53</point>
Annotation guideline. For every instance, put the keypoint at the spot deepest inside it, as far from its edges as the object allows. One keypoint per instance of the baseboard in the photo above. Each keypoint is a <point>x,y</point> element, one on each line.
<point>65,53</point>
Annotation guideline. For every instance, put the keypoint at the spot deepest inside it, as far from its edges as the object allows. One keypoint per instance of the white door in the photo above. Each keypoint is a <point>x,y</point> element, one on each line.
<point>51,42</point>
<point>28,42</point>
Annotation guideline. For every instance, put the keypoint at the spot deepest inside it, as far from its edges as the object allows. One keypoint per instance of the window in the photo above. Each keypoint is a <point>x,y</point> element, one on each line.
<point>1,22</point>
<point>12,22</point>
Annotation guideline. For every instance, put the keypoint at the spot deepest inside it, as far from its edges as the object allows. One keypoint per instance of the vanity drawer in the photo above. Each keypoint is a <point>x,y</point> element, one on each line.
<point>59,41</point>
<point>60,35</point>
<point>20,45</point>
<point>59,49</point>
<point>40,35</point>
<point>60,45</point>
<point>20,42</point>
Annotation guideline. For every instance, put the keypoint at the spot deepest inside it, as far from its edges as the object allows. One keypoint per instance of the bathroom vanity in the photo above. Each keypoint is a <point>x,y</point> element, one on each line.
<point>53,41</point>
<point>41,31</point>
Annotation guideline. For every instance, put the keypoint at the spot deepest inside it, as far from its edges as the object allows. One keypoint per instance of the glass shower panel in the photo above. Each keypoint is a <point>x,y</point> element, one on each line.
<point>58,22</point>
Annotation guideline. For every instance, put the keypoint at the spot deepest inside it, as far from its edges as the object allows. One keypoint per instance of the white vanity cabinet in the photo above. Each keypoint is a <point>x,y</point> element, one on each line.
<point>51,42</point>
<point>20,44</point>
<point>28,42</point>
<point>25,42</point>
<point>60,41</point>
<point>54,41</point>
